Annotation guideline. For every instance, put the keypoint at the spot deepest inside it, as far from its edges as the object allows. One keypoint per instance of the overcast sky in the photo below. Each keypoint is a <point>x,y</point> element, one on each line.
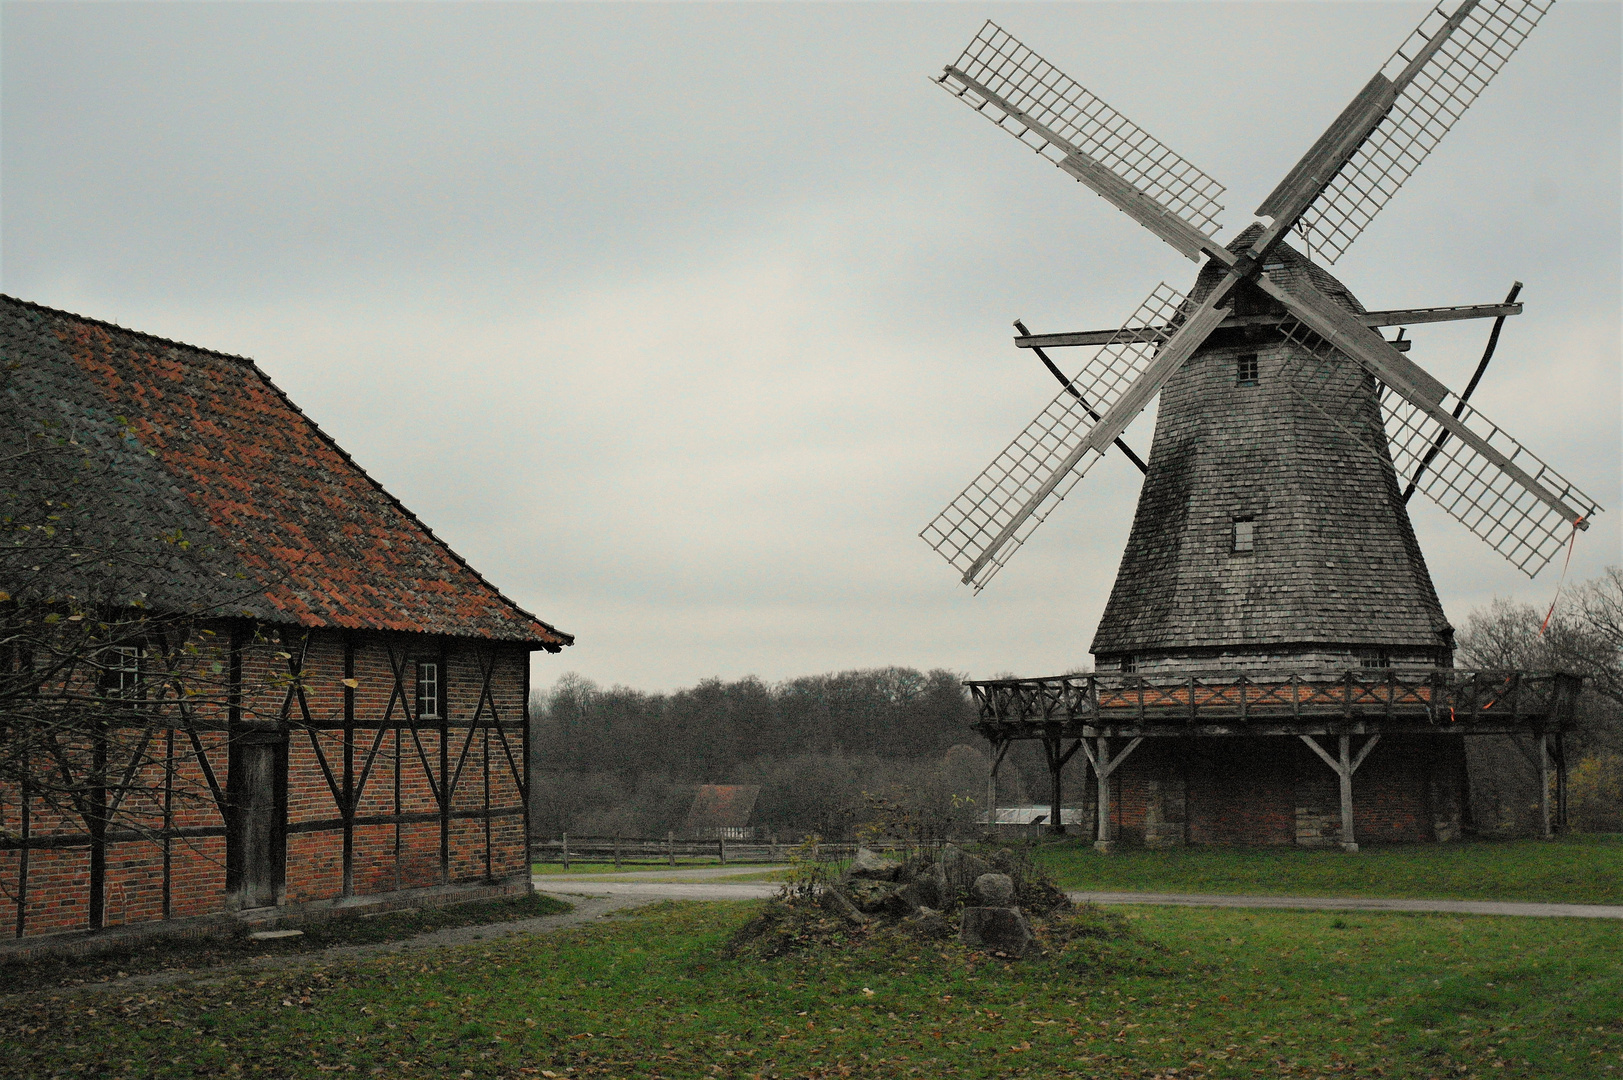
<point>680,321</point>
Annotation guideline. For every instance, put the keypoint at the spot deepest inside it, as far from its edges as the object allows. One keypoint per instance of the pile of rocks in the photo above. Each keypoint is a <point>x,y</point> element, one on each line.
<point>983,900</point>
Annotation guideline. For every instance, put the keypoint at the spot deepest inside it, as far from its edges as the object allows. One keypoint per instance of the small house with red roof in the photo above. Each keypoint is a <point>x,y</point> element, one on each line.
<point>722,812</point>
<point>371,743</point>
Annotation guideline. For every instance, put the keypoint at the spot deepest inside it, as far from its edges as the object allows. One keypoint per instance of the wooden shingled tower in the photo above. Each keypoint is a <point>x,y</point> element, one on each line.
<point>1273,613</point>
<point>1268,533</point>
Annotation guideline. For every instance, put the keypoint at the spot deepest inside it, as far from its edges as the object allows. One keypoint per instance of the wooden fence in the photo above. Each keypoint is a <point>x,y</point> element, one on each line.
<point>652,851</point>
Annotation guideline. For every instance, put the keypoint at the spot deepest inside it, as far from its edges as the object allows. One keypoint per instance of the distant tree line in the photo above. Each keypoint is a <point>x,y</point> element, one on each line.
<point>822,748</point>
<point>825,749</point>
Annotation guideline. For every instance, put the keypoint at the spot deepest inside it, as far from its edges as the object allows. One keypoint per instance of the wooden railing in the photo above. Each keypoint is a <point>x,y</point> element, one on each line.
<point>1442,695</point>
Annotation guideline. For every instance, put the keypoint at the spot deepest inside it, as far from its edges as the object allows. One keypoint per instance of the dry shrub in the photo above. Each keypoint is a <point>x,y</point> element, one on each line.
<point>1595,794</point>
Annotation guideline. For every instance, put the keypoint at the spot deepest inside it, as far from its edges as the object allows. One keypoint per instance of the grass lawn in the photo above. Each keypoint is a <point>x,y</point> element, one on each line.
<point>1570,869</point>
<point>1197,993</point>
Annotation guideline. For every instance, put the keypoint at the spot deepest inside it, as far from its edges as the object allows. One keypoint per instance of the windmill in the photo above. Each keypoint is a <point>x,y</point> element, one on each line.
<point>1341,421</point>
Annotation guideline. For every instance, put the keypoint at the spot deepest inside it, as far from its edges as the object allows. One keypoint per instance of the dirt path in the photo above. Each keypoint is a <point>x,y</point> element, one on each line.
<point>650,891</point>
<point>545,882</point>
<point>1326,903</point>
<point>632,889</point>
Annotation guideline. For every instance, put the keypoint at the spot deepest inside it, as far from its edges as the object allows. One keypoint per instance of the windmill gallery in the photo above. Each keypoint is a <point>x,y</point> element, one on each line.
<point>1273,664</point>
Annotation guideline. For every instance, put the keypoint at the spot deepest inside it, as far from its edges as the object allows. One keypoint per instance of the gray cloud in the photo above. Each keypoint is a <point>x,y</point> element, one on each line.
<point>680,320</point>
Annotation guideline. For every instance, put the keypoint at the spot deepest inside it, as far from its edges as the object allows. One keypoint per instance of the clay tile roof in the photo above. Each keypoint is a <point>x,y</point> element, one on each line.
<point>201,441</point>
<point>721,806</point>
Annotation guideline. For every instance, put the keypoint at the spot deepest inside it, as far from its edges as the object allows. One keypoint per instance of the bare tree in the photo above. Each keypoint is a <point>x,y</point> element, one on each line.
<point>1583,636</point>
<point>1598,610</point>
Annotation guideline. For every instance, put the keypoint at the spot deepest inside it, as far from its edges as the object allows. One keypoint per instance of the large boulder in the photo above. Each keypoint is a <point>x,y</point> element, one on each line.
<point>995,890</point>
<point>870,895</point>
<point>928,923</point>
<point>836,901</point>
<point>996,929</point>
<point>957,869</point>
<point>872,866</point>
<point>921,892</point>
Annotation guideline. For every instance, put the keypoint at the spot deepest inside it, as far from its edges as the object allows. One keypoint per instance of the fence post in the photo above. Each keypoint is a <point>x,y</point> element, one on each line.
<point>721,848</point>
<point>670,847</point>
<point>566,851</point>
<point>617,851</point>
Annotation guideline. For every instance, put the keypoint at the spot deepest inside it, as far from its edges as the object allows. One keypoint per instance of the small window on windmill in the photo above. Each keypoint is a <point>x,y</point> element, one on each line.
<point>1245,371</point>
<point>1374,658</point>
<point>1245,533</point>
<point>428,690</point>
<point>1129,664</point>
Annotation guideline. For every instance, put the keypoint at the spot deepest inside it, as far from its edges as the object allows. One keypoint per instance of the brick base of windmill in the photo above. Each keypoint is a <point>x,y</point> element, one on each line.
<point>1311,758</point>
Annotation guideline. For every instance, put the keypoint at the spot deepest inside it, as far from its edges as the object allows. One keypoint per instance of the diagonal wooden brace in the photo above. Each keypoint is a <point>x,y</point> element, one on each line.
<point>1344,765</point>
<point>1103,766</point>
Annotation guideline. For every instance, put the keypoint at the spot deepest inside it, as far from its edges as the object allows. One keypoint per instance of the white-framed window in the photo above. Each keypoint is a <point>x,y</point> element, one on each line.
<point>1245,370</point>
<point>1245,533</point>
<point>1129,664</point>
<point>429,690</point>
<point>1374,658</point>
<point>121,671</point>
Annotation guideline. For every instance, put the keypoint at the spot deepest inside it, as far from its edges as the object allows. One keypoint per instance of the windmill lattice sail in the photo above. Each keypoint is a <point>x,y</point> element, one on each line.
<point>1061,120</point>
<point>983,527</point>
<point>1476,472</point>
<point>1473,489</point>
<point>1436,95</point>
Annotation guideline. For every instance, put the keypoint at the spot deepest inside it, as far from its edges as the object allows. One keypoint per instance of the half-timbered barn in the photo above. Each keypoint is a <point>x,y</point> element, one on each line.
<point>369,733</point>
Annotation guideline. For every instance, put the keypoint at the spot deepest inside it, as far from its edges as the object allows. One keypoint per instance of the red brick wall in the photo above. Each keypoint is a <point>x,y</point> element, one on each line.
<point>385,855</point>
<point>1250,791</point>
<point>1242,791</point>
<point>1391,804</point>
<point>58,891</point>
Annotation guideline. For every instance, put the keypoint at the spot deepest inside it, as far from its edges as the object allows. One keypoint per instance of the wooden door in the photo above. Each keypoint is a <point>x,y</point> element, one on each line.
<point>259,785</point>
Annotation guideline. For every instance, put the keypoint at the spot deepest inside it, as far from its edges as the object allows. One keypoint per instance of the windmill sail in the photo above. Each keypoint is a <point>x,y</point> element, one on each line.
<point>986,524</point>
<point>1477,473</point>
<point>1060,119</point>
<point>1482,476</point>
<point>1526,529</point>
<point>1437,73</point>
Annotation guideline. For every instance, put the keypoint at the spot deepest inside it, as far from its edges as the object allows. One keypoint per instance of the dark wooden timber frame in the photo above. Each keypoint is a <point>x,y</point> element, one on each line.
<point>484,740</point>
<point>1108,716</point>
